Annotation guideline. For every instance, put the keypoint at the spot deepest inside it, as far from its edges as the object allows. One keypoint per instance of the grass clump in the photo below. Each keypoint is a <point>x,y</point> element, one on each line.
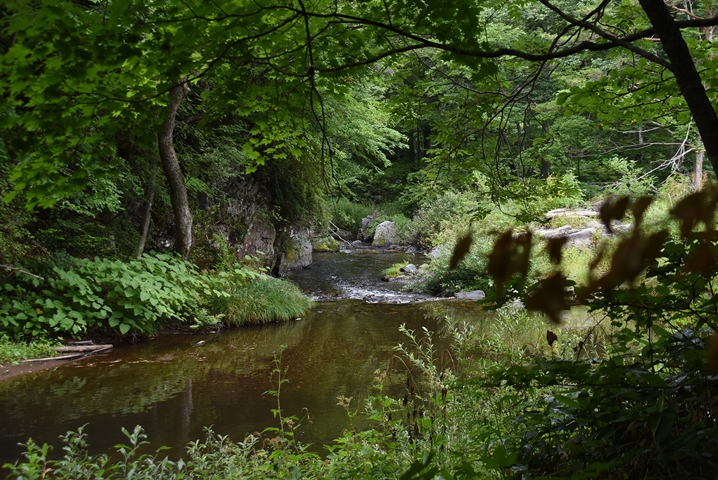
<point>394,270</point>
<point>13,352</point>
<point>264,300</point>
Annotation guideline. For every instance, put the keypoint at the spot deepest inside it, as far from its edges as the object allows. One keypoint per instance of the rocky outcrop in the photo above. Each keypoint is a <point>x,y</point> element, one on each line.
<point>574,235</point>
<point>243,222</point>
<point>385,235</point>
<point>364,230</point>
<point>259,241</point>
<point>297,252</point>
<point>567,212</point>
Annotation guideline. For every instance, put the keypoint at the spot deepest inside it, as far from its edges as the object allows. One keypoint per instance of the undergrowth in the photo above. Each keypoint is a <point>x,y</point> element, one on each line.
<point>140,296</point>
<point>12,352</point>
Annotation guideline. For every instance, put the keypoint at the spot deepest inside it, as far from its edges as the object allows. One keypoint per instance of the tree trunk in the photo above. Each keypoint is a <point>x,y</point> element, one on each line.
<point>545,168</point>
<point>698,169</point>
<point>687,77</point>
<point>173,172</point>
<point>149,198</point>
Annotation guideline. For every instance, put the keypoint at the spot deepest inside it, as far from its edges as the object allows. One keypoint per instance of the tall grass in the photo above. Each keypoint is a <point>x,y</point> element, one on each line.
<point>265,300</point>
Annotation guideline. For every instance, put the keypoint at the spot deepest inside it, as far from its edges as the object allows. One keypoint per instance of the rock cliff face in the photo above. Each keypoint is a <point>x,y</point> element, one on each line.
<point>246,224</point>
<point>297,252</point>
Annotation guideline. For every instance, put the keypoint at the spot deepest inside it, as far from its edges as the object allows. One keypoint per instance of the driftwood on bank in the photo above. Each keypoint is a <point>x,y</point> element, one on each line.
<point>74,351</point>
<point>82,348</point>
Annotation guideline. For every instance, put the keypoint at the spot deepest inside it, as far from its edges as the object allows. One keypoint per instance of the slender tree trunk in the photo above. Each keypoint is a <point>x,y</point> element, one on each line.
<point>687,77</point>
<point>698,169</point>
<point>149,198</point>
<point>545,168</point>
<point>173,172</point>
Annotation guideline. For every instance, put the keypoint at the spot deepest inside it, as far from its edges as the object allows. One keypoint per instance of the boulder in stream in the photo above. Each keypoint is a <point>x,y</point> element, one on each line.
<point>325,244</point>
<point>474,295</point>
<point>385,235</point>
<point>410,269</point>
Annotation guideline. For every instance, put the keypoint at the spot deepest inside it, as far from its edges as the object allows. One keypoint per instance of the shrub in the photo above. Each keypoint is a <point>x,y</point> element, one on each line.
<point>348,215</point>
<point>101,293</point>
<point>442,212</point>
<point>628,178</point>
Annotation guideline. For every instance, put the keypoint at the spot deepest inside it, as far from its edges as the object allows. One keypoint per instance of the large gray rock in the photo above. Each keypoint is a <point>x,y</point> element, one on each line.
<point>474,295</point>
<point>439,251</point>
<point>567,212</point>
<point>556,232</point>
<point>244,223</point>
<point>410,269</point>
<point>364,234</point>
<point>385,234</point>
<point>582,236</point>
<point>297,252</point>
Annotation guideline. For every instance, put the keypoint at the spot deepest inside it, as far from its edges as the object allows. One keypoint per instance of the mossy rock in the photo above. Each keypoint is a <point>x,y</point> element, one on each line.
<point>325,244</point>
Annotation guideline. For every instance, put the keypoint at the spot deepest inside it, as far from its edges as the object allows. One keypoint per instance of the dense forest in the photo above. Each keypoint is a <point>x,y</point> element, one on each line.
<point>166,162</point>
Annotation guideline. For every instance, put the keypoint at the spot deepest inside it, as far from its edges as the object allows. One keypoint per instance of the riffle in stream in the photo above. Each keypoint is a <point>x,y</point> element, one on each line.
<point>176,385</point>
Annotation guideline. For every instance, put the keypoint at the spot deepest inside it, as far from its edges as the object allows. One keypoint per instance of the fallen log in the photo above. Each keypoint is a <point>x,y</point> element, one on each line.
<point>50,359</point>
<point>82,348</point>
<point>72,356</point>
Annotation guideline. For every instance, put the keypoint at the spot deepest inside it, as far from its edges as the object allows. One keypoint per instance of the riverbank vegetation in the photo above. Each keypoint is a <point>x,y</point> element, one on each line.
<point>12,351</point>
<point>157,160</point>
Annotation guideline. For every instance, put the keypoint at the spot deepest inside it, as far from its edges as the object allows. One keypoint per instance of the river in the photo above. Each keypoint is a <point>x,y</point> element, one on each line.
<point>175,385</point>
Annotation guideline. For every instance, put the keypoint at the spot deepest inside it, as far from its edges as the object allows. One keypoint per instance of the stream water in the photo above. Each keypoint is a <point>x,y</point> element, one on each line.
<point>176,385</point>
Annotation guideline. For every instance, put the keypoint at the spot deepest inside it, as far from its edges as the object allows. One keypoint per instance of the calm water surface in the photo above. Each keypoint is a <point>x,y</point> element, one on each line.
<point>174,387</point>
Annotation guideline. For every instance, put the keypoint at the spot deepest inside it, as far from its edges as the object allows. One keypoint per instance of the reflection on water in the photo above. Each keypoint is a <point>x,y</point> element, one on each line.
<point>174,386</point>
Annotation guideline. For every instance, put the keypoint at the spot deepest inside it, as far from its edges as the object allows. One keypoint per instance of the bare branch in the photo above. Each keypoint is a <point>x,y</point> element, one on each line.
<point>24,272</point>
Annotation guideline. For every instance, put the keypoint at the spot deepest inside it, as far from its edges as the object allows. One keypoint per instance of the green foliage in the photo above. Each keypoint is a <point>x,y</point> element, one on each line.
<point>138,297</point>
<point>536,197</point>
<point>447,211</point>
<point>16,241</point>
<point>348,215</point>
<point>126,296</point>
<point>627,178</point>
